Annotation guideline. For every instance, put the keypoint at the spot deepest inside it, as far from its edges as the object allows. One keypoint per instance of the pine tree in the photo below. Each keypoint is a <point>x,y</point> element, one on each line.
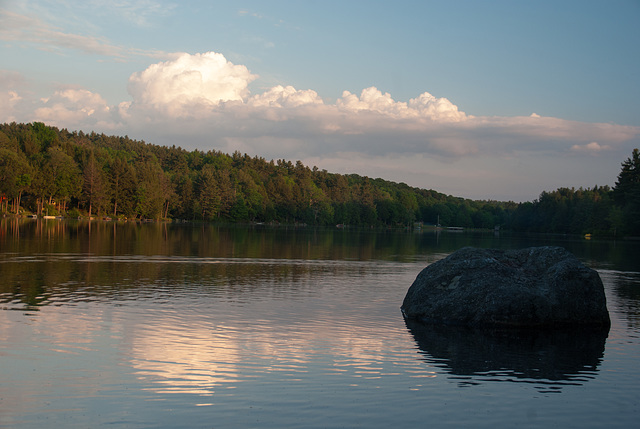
<point>627,193</point>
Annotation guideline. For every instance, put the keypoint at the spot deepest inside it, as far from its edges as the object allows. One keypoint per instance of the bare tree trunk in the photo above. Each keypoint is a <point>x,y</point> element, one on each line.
<point>18,202</point>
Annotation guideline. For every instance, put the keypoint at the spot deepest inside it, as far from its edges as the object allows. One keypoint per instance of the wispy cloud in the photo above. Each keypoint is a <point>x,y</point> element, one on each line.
<point>25,29</point>
<point>276,22</point>
<point>143,13</point>
<point>245,12</point>
<point>10,85</point>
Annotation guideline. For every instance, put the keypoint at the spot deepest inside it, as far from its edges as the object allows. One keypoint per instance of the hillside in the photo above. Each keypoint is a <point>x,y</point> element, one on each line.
<point>46,170</point>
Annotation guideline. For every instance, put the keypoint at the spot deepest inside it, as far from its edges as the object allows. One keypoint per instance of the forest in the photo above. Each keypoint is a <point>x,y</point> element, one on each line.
<point>49,171</point>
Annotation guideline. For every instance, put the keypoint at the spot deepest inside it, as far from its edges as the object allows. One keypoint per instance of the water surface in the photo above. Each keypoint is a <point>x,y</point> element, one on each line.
<point>108,324</point>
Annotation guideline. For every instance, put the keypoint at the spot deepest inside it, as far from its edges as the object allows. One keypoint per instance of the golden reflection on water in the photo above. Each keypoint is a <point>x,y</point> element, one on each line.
<point>208,360</point>
<point>184,359</point>
<point>197,354</point>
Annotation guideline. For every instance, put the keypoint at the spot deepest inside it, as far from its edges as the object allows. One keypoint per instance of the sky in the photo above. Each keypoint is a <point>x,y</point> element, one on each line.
<point>488,100</point>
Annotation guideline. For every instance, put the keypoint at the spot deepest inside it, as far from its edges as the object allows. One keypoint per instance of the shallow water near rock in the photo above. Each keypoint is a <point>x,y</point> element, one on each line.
<point>162,325</point>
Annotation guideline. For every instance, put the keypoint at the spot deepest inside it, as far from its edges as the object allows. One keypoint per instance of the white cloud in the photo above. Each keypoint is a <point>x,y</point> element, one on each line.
<point>371,99</point>
<point>75,107</point>
<point>424,106</point>
<point>438,109</point>
<point>189,85</point>
<point>288,96</point>
<point>592,148</point>
<point>10,82</point>
<point>8,101</point>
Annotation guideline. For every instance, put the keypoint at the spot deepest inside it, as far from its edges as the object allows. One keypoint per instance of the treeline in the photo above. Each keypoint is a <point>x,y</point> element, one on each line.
<point>46,170</point>
<point>600,210</point>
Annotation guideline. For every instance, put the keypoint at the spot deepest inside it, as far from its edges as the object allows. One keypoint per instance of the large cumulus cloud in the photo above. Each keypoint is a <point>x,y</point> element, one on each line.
<point>190,84</point>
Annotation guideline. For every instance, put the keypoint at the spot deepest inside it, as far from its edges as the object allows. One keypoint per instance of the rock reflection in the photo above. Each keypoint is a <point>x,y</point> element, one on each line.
<point>547,359</point>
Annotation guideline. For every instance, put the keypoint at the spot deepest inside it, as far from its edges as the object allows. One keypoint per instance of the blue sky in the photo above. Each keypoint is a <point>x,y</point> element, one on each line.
<point>481,99</point>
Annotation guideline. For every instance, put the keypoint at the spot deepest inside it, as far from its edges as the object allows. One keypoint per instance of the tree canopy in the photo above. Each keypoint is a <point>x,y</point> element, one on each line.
<point>44,169</point>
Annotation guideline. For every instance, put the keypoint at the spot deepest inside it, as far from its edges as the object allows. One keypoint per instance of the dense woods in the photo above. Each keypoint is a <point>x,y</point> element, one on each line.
<point>48,171</point>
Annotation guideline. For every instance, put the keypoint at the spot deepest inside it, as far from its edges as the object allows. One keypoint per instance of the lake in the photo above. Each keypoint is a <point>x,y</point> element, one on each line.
<point>164,325</point>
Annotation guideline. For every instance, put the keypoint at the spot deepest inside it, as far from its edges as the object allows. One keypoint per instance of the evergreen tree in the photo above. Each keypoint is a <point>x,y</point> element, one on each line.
<point>627,193</point>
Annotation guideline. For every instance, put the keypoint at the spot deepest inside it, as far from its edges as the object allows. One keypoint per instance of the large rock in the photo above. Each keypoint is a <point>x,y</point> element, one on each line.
<point>535,287</point>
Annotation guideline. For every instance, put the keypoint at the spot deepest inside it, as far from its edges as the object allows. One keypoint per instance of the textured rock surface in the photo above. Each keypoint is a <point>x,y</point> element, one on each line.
<point>533,287</point>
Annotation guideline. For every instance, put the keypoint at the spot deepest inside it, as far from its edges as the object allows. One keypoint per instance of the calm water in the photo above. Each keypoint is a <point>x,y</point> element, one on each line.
<point>154,326</point>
